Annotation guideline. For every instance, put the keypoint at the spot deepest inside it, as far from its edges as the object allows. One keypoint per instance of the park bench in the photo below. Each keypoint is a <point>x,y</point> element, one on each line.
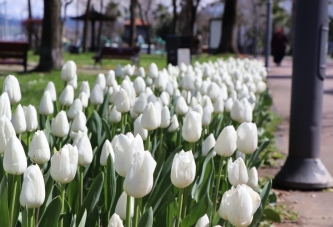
<point>130,53</point>
<point>14,53</point>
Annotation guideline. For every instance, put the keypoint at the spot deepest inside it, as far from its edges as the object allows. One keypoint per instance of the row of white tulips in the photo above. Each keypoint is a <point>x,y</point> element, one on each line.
<point>178,121</point>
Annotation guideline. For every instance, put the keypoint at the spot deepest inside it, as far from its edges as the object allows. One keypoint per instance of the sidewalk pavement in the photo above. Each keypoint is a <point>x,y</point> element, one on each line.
<point>313,208</point>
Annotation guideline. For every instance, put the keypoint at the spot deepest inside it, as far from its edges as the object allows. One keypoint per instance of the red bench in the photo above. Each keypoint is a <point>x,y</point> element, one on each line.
<point>14,53</point>
<point>118,53</point>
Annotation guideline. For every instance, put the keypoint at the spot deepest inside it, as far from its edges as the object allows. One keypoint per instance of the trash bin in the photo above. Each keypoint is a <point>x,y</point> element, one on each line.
<point>178,49</point>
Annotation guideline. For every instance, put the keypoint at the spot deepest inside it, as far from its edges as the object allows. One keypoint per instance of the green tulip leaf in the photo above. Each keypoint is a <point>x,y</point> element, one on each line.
<point>272,215</point>
<point>83,219</point>
<point>48,192</point>
<point>111,182</point>
<point>147,219</point>
<point>5,219</point>
<point>51,215</point>
<point>107,129</point>
<point>72,193</point>
<point>95,126</point>
<point>14,194</point>
<point>104,108</point>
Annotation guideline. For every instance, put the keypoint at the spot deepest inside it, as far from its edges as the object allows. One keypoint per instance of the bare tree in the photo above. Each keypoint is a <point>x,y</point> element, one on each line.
<point>133,7</point>
<point>99,34</point>
<point>145,21</point>
<point>85,27</point>
<point>29,24</point>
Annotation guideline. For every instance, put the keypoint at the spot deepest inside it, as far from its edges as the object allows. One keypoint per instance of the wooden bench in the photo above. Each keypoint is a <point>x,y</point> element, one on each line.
<point>118,53</point>
<point>14,53</point>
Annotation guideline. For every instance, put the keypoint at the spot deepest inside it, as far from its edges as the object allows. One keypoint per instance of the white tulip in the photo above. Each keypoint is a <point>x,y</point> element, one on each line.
<point>74,109</point>
<point>165,117</point>
<point>119,71</point>
<point>67,96</point>
<point>153,71</point>
<point>85,150</point>
<point>5,108</point>
<point>139,85</point>
<point>237,111</point>
<point>238,205</point>
<point>100,79</point>
<point>64,164</point>
<point>110,78</point>
<point>121,206</point>
<point>149,119</point>
<point>165,98</point>
<point>115,221</point>
<point>30,114</point>
<point>174,124</point>
<point>218,105</point>
<point>46,104</point>
<point>114,116</point>
<point>79,122</point>
<point>14,159</point>
<point>229,104</point>
<point>203,221</point>
<point>181,106</point>
<point>208,144</point>
<point>207,102</point>
<point>133,114</point>
<point>183,169</point>
<point>192,127</point>
<point>247,137</point>
<point>226,142</point>
<point>261,87</point>
<point>68,71</point>
<point>84,99</point>
<point>73,82</point>
<point>85,88</point>
<point>138,128</point>
<point>60,125</point>
<point>12,87</point>
<point>139,179</point>
<point>141,72</point>
<point>51,88</point>
<point>18,120</point>
<point>97,95</point>
<point>7,131</point>
<point>39,151</point>
<point>106,151</point>
<point>247,110</point>
<point>122,101</point>
<point>206,116</point>
<point>158,108</point>
<point>237,172</point>
<point>33,188</point>
<point>160,81</point>
<point>198,108</point>
<point>253,178</point>
<point>140,103</point>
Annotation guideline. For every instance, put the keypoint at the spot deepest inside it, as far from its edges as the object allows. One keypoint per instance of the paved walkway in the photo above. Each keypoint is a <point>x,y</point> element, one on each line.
<point>314,208</point>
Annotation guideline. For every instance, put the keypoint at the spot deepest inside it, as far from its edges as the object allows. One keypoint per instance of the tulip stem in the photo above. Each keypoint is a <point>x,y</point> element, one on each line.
<point>136,212</point>
<point>15,179</point>
<point>161,142</point>
<point>81,185</point>
<point>148,142</point>
<point>106,200</point>
<point>28,141</point>
<point>184,205</point>
<point>128,211</point>
<point>180,204</point>
<point>124,119</point>
<point>30,217</point>
<point>63,191</point>
<point>218,183</point>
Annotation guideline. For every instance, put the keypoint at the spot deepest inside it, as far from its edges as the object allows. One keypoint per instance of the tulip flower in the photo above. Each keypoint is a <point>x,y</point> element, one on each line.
<point>192,127</point>
<point>12,87</point>
<point>67,96</point>
<point>153,71</point>
<point>228,105</point>
<point>18,120</point>
<point>75,108</point>
<point>123,153</point>
<point>198,108</point>
<point>238,205</point>
<point>60,125</point>
<point>84,149</point>
<point>206,116</point>
<point>181,106</point>
<point>149,119</point>
<point>218,105</point>
<point>68,71</point>
<point>5,108</point>
<point>140,103</point>
<point>237,172</point>
<point>203,221</point>
<point>138,128</point>
<point>97,95</point>
<point>237,111</point>
<point>101,80</point>
<point>110,78</point>
<point>141,72</point>
<point>165,98</point>
<point>64,164</point>
<point>158,108</point>
<point>133,114</point>
<point>14,159</point>
<point>139,85</point>
<point>165,117</point>
<point>79,122</point>
<point>122,101</point>
<point>85,88</point>
<point>139,179</point>
<point>247,137</point>
<point>261,87</point>
<point>226,142</point>
<point>39,151</point>
<point>183,169</point>
<point>174,124</point>
<point>114,116</point>
<point>84,99</point>
<point>73,82</point>
<point>208,144</point>
<point>7,131</point>
<point>253,178</point>
<point>121,206</point>
<point>207,102</point>
<point>106,151</point>
<point>115,221</point>
<point>33,188</point>
<point>52,90</point>
<point>31,118</point>
<point>119,71</point>
<point>160,81</point>
<point>46,104</point>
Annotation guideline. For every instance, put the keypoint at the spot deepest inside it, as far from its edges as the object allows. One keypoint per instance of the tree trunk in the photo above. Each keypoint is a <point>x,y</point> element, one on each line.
<point>99,34</point>
<point>29,25</point>
<point>228,41</point>
<point>133,7</point>
<point>193,18</point>
<point>85,28</point>
<point>175,17</point>
<point>145,21</point>
<point>51,52</point>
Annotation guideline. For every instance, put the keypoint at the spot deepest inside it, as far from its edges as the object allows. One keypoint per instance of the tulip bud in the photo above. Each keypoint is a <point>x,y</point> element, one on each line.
<point>158,108</point>
<point>206,116</point>
<point>39,151</point>
<point>133,114</point>
<point>73,82</point>
<point>6,132</point>
<point>18,120</point>
<point>165,117</point>
<point>218,105</point>
<point>60,125</point>
<point>64,164</point>
<point>100,80</point>
<point>247,110</point>
<point>174,125</point>
<point>31,118</point>
<point>198,108</point>
<point>46,104</point>
<point>114,116</point>
<point>237,172</point>
<point>85,88</point>
<point>139,179</point>
<point>140,103</point>
<point>97,95</point>
<point>5,108</point>
<point>12,87</point>
<point>74,109</point>
<point>160,81</point>
<point>141,72</point>
<point>106,151</point>
<point>165,98</point>
<point>183,169</point>
<point>139,85</point>
<point>138,128</point>
<point>119,71</point>
<point>228,105</point>
<point>121,206</point>
<point>203,221</point>
<point>85,150</point>
<point>192,127</point>
<point>79,122</point>
<point>122,101</point>
<point>239,204</point>
<point>207,102</point>
<point>68,71</point>
<point>115,221</point>
<point>153,71</point>
<point>261,87</point>
<point>247,137</point>
<point>253,178</point>
<point>33,188</point>
<point>181,106</point>
<point>52,90</point>
<point>149,119</point>
<point>14,159</point>
<point>84,99</point>
<point>226,143</point>
<point>208,144</point>
<point>67,96</point>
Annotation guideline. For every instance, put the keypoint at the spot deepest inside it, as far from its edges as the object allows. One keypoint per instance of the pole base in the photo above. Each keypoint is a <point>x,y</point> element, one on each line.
<point>303,174</point>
